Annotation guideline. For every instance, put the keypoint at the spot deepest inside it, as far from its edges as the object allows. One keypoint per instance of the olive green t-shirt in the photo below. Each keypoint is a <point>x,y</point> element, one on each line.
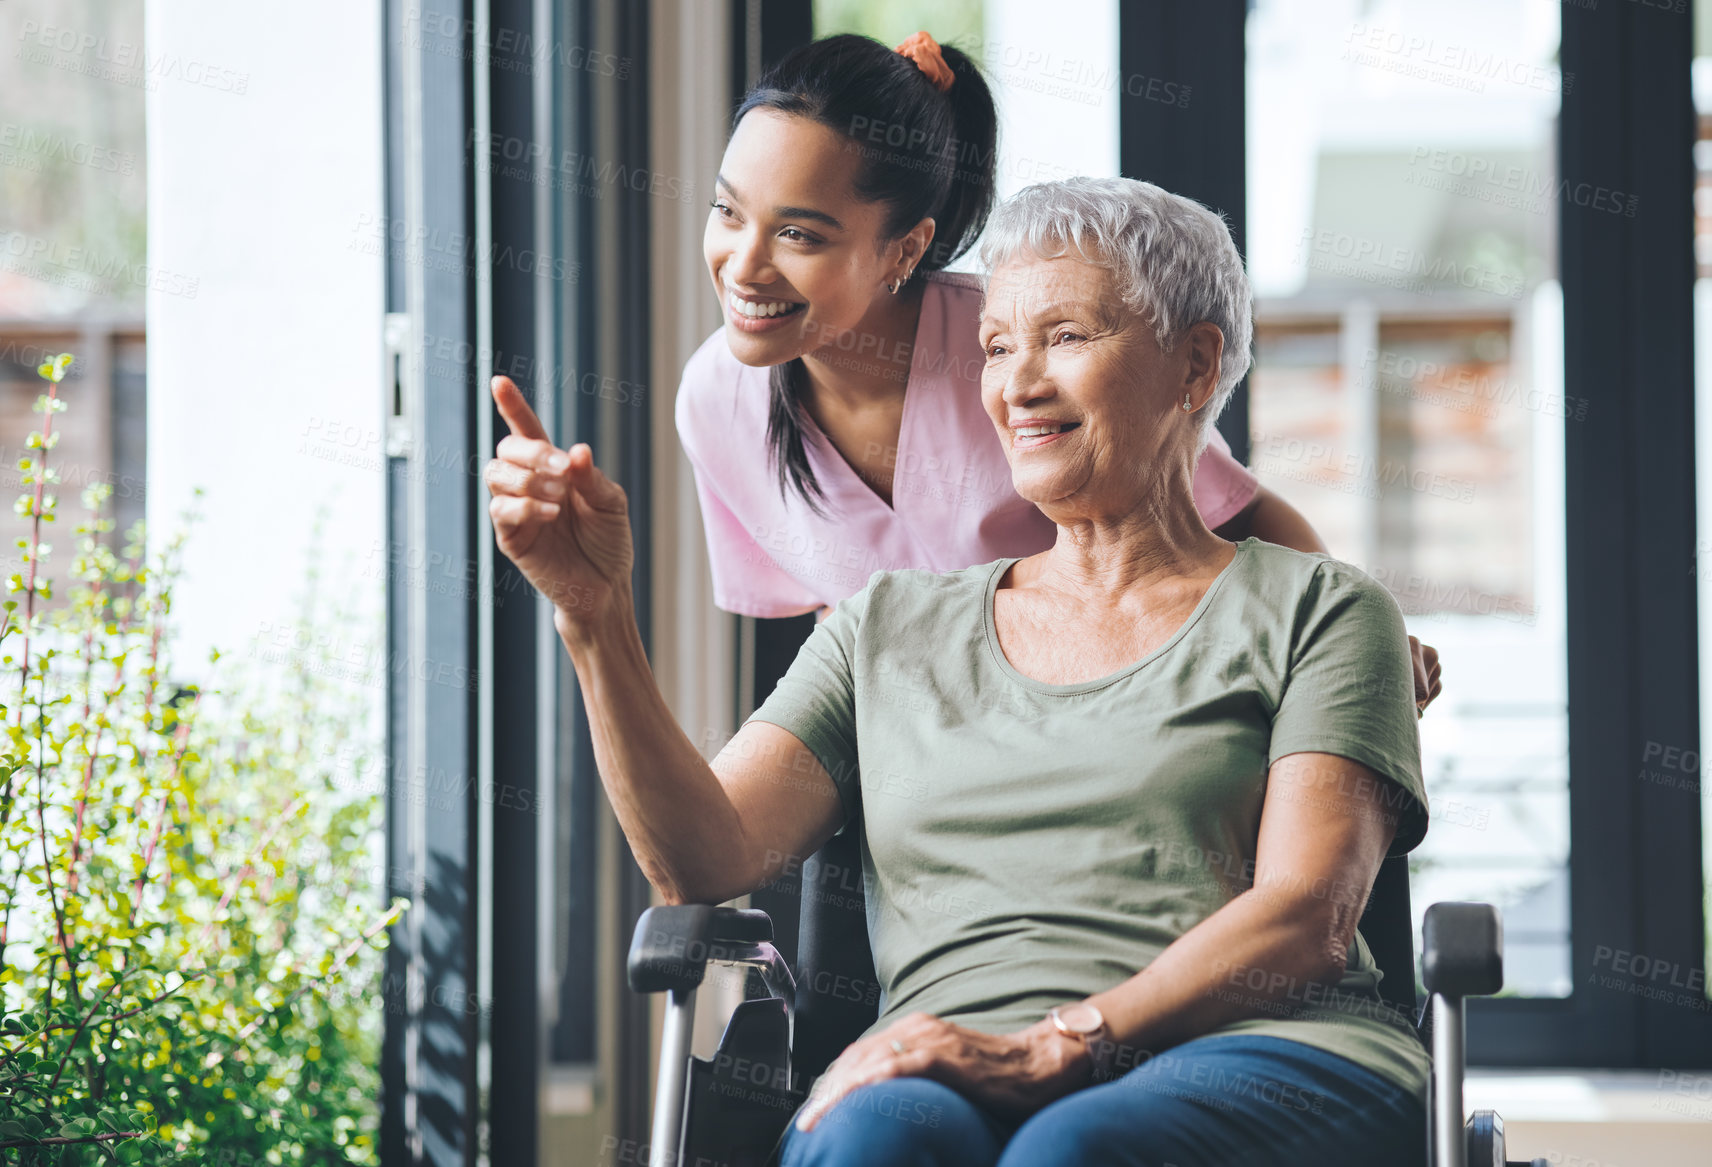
<point>1028,844</point>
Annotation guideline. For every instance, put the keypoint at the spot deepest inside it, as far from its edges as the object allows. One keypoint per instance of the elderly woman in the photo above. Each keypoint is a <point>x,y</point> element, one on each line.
<point>1121,802</point>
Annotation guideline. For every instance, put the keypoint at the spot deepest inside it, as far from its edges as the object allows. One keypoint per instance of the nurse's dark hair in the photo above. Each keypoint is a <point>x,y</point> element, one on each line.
<point>926,153</point>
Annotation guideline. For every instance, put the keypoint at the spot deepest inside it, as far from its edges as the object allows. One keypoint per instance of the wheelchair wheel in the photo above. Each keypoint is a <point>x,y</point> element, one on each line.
<point>1485,1139</point>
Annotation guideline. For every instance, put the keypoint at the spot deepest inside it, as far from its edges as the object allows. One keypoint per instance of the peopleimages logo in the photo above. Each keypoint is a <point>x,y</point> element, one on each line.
<point>123,61</point>
<point>446,250</point>
<point>509,48</point>
<point>1519,187</point>
<point>1467,67</point>
<point>1455,386</point>
<point>52,260</point>
<point>526,156</point>
<point>56,147</point>
<point>1340,253</point>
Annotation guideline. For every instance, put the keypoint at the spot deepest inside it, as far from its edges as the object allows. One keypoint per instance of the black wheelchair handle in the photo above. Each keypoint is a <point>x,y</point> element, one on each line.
<point>672,945</point>
<point>1462,950</point>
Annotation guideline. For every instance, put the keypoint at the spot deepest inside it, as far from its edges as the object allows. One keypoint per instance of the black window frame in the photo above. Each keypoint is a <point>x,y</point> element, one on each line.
<point>488,270</point>
<point>428,1059</point>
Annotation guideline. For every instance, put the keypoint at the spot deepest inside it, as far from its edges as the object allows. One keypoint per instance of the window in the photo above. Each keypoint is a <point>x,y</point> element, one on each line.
<point>245,791</point>
<point>1407,395</point>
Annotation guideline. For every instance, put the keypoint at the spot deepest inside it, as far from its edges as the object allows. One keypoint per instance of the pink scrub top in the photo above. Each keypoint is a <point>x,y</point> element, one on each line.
<point>953,505</point>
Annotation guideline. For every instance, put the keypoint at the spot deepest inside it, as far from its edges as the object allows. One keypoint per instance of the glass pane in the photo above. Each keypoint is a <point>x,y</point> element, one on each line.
<point>1407,395</point>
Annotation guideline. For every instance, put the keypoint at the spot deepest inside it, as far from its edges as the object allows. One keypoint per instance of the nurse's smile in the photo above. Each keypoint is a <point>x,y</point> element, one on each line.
<point>754,313</point>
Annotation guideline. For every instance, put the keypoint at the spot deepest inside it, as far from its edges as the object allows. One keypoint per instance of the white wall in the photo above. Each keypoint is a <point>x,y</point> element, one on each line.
<point>265,156</point>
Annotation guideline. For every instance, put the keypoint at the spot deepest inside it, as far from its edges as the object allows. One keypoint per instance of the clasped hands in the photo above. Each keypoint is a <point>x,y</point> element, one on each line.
<point>1013,1074</point>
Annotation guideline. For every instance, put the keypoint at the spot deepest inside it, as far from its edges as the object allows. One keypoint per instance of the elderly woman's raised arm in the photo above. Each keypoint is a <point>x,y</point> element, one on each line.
<point>701,833</point>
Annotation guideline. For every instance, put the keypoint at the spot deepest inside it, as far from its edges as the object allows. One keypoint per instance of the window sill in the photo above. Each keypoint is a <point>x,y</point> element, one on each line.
<point>1598,1118</point>
<point>1591,1096</point>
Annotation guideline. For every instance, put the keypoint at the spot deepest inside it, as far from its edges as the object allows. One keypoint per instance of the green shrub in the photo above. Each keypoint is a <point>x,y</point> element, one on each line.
<point>187,886</point>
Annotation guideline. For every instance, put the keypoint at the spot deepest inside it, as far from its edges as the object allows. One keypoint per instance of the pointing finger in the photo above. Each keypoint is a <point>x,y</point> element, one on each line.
<point>515,410</point>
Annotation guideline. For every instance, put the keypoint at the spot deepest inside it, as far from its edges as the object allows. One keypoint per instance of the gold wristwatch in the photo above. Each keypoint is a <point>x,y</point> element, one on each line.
<point>1085,1021</point>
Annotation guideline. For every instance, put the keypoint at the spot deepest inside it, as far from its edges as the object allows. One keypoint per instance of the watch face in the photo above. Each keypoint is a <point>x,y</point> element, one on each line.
<point>1080,1017</point>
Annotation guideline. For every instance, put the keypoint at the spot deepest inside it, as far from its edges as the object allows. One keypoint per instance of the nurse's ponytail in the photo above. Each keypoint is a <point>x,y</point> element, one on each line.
<point>963,211</point>
<point>929,151</point>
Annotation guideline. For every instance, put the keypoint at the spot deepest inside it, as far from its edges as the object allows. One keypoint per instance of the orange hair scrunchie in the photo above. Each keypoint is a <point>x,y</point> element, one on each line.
<point>924,51</point>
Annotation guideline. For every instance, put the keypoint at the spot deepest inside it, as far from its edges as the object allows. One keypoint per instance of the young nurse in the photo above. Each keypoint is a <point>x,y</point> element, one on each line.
<point>834,423</point>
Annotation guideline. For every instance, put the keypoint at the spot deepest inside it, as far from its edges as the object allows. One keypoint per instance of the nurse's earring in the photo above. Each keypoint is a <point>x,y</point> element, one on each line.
<point>1188,406</point>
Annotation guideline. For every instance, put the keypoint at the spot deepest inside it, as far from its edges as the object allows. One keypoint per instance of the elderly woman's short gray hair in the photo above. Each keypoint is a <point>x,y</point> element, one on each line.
<point>1174,259</point>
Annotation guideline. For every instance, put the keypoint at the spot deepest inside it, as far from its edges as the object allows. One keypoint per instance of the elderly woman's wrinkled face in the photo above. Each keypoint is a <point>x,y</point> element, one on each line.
<point>1087,404</point>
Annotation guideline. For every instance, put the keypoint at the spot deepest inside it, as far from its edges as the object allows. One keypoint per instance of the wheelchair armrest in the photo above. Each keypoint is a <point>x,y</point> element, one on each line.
<point>1462,950</point>
<point>1462,955</point>
<point>672,945</point>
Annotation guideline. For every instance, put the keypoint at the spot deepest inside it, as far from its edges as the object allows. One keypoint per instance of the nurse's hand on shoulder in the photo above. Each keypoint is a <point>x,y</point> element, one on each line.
<point>557,517</point>
<point>1428,682</point>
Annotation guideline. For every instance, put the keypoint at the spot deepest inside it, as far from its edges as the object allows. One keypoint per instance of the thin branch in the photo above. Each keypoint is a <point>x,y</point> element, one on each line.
<point>41,474</point>
<point>148,857</point>
<point>47,874</point>
<point>8,1055</point>
<point>350,950</point>
<point>249,865</point>
<point>71,1046</point>
<point>93,754</point>
<point>66,1140</point>
<point>6,791</point>
<point>71,880</point>
<point>182,736</point>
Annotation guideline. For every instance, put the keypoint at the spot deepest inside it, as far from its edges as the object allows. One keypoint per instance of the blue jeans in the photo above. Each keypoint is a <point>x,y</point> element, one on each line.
<point>1212,1102</point>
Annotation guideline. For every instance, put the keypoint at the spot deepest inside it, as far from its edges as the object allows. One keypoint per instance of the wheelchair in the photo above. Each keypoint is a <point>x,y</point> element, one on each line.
<point>731,1110</point>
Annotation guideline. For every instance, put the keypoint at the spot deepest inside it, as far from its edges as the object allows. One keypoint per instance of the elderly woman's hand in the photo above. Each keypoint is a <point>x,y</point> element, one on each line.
<point>556,516</point>
<point>1008,1073</point>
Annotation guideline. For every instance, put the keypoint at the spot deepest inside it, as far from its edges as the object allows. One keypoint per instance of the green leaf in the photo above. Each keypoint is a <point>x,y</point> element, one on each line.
<point>54,370</point>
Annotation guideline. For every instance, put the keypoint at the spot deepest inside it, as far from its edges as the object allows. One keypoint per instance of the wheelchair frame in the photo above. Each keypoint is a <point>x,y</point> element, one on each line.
<point>730,1111</point>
